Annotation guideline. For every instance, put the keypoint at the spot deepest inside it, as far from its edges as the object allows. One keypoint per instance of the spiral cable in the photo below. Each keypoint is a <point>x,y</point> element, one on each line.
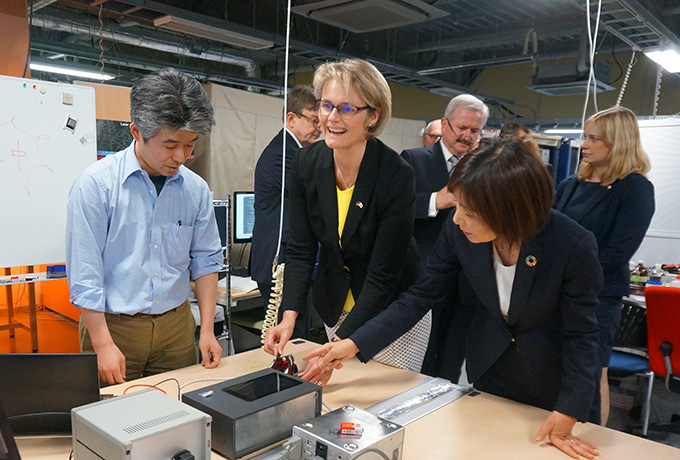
<point>625,79</point>
<point>272,314</point>
<point>657,89</point>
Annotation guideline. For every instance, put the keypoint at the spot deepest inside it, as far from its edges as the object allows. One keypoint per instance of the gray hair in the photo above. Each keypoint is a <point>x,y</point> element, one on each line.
<point>467,101</point>
<point>172,100</point>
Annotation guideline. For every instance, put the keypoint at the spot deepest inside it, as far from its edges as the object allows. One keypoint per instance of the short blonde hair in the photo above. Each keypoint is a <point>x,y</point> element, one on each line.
<point>366,80</point>
<point>619,130</point>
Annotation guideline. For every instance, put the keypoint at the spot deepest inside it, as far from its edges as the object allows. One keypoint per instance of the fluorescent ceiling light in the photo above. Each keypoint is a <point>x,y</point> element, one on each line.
<point>187,26</point>
<point>71,71</point>
<point>669,58</point>
<point>563,131</point>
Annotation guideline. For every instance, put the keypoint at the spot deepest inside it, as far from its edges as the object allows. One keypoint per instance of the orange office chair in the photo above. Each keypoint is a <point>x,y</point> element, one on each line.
<point>663,340</point>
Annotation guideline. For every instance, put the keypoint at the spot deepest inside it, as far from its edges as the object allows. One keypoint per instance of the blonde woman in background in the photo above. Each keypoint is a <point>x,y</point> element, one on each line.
<point>611,197</point>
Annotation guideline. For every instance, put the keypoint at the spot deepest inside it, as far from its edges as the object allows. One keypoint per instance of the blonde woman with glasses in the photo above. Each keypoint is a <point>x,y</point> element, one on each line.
<point>352,200</point>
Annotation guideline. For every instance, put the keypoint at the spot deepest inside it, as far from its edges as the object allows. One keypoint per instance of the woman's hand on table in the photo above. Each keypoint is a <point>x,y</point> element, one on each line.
<point>558,428</point>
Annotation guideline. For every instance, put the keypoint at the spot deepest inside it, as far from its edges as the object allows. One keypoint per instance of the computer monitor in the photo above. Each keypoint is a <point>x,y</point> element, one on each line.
<point>112,136</point>
<point>220,208</point>
<point>8,447</point>
<point>244,216</point>
<point>38,390</point>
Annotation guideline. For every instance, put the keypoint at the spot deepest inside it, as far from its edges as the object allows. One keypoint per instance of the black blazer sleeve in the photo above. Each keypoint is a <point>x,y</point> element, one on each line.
<point>303,243</point>
<point>422,204</point>
<point>432,286</point>
<point>619,221</point>
<point>631,220</point>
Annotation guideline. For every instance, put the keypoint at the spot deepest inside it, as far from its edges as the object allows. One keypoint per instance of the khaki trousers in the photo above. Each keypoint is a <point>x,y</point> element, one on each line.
<point>151,344</point>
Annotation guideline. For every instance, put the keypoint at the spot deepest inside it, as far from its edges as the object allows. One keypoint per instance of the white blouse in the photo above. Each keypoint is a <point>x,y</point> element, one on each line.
<point>505,276</point>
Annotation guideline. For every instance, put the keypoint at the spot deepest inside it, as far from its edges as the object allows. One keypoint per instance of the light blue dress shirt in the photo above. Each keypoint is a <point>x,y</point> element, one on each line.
<point>129,250</point>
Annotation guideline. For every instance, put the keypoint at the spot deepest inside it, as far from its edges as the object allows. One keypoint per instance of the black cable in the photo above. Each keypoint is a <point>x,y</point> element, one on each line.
<point>35,414</point>
<point>167,380</point>
<point>617,63</point>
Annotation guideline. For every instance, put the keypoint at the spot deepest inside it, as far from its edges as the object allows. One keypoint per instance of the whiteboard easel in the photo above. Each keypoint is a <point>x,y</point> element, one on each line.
<point>47,137</point>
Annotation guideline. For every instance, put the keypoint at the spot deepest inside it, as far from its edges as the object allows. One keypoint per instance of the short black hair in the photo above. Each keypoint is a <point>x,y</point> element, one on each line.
<point>507,187</point>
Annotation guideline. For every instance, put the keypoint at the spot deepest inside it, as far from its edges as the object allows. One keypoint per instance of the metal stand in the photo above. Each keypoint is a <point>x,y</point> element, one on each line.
<point>227,263</point>
<point>226,268</point>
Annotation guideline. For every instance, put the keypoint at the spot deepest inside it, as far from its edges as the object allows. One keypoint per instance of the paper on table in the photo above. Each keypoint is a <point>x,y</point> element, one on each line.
<point>245,284</point>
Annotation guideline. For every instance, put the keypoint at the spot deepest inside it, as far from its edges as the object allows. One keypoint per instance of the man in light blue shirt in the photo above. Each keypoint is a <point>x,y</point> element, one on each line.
<point>139,224</point>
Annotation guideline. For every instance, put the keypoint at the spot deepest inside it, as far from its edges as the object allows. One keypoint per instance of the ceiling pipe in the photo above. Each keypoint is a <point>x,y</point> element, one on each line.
<point>74,27</point>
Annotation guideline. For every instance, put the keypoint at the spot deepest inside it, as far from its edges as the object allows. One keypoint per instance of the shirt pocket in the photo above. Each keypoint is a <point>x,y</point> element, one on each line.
<point>178,245</point>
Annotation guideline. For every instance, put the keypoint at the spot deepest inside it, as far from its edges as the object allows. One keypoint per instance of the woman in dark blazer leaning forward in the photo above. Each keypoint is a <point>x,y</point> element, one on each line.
<point>533,278</point>
<point>611,197</point>
<point>352,198</point>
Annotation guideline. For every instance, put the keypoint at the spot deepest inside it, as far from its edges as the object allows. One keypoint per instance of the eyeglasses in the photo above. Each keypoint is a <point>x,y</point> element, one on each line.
<point>344,110</point>
<point>473,134</point>
<point>435,137</point>
<point>315,121</point>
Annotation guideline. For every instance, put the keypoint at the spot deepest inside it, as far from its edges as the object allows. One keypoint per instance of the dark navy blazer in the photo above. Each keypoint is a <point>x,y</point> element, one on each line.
<point>618,216</point>
<point>551,318</point>
<point>268,207</point>
<point>432,175</point>
<point>377,256</point>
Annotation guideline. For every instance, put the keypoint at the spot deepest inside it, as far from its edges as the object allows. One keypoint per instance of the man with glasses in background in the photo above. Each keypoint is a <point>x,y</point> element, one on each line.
<point>302,129</point>
<point>461,128</point>
<point>432,132</point>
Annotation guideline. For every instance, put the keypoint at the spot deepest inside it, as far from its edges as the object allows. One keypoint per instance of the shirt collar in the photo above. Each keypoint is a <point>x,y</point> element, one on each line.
<point>132,164</point>
<point>445,151</point>
<point>296,139</point>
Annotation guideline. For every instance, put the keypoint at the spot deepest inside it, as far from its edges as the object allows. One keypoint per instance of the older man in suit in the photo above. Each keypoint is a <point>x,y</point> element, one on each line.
<point>302,129</point>
<point>461,128</point>
<point>432,132</point>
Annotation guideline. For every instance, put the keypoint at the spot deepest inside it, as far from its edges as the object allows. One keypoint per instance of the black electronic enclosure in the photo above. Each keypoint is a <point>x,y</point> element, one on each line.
<point>8,447</point>
<point>255,410</point>
<point>38,390</point>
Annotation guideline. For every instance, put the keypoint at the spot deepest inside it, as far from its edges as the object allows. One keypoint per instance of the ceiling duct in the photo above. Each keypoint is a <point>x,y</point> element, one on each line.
<point>568,80</point>
<point>63,24</point>
<point>369,15</point>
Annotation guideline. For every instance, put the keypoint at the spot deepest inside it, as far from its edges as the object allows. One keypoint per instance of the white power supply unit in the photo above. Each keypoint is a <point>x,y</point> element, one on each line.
<point>350,432</point>
<point>146,425</point>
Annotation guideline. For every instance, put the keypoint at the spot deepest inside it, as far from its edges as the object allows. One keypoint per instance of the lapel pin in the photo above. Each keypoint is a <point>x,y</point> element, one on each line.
<point>359,204</point>
<point>531,261</point>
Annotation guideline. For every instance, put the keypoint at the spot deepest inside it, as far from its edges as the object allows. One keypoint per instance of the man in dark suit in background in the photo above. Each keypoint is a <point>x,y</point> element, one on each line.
<point>302,129</point>
<point>461,129</point>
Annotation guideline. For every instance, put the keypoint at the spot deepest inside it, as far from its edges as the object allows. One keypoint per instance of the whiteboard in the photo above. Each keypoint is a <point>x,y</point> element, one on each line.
<point>661,140</point>
<point>47,137</point>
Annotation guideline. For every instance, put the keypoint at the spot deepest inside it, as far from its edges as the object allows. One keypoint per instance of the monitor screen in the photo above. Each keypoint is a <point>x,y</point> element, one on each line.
<point>220,208</point>
<point>112,136</point>
<point>244,216</point>
<point>38,390</point>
